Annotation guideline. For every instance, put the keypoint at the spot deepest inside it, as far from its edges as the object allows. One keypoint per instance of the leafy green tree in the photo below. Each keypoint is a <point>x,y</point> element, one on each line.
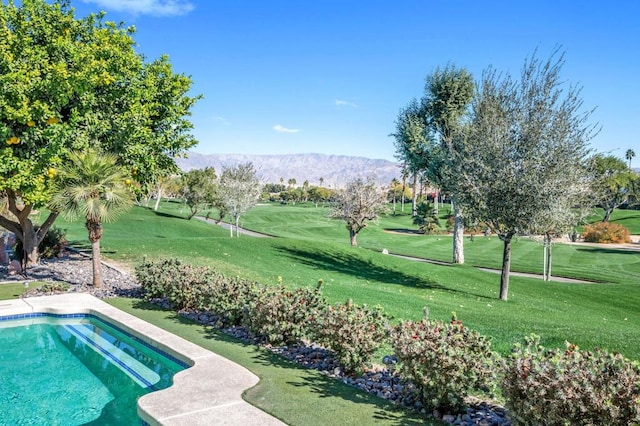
<point>613,183</point>
<point>92,185</point>
<point>69,84</point>
<point>525,158</point>
<point>238,191</point>
<point>199,187</point>
<point>446,101</point>
<point>413,144</point>
<point>360,202</point>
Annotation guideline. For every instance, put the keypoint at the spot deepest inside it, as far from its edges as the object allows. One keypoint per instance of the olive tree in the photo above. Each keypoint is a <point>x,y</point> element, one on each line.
<point>68,84</point>
<point>360,202</point>
<point>526,154</point>
<point>239,190</point>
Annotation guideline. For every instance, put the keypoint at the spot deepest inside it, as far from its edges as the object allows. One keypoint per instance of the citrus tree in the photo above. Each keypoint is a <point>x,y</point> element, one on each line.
<point>71,83</point>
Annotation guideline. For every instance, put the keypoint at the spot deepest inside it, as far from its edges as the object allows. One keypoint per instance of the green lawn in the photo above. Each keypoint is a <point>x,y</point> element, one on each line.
<point>296,395</point>
<point>589,315</point>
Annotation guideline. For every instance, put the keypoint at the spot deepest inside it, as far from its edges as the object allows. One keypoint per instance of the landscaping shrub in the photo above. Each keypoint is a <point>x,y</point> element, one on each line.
<point>184,286</point>
<point>283,316</point>
<point>570,387</point>
<point>353,332</point>
<point>606,232</point>
<point>227,297</point>
<point>445,361</point>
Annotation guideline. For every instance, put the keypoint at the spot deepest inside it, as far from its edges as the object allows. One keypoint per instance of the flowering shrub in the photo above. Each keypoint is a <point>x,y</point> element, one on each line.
<point>281,315</point>
<point>353,332</point>
<point>606,232</point>
<point>444,361</point>
<point>570,387</point>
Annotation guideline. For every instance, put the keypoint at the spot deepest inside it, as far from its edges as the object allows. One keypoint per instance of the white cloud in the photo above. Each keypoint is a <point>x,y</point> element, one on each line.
<point>282,129</point>
<point>221,120</point>
<point>146,7</point>
<point>340,102</point>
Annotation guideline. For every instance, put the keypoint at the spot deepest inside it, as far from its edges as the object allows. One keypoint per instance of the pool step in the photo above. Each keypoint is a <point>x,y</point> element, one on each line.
<point>133,368</point>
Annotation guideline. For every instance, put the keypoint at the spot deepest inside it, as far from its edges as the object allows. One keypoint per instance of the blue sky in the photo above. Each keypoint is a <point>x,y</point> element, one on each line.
<point>329,76</point>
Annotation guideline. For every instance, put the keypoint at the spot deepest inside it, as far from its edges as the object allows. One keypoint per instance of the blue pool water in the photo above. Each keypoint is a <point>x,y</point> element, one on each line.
<point>76,371</point>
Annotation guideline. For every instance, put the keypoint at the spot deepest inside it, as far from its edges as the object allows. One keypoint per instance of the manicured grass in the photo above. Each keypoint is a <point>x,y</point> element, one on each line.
<point>589,315</point>
<point>15,290</point>
<point>295,395</point>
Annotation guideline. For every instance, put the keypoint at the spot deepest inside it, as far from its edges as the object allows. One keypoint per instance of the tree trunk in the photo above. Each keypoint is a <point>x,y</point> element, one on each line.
<point>97,265</point>
<point>237,226</point>
<point>404,187</point>
<point>95,233</point>
<point>158,198</point>
<point>414,196</point>
<point>352,237</point>
<point>548,259</point>
<point>506,266</point>
<point>458,236</point>
<point>607,214</point>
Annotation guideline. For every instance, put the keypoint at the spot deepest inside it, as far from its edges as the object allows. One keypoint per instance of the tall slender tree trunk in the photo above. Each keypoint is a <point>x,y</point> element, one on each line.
<point>237,226</point>
<point>97,265</point>
<point>506,266</point>
<point>352,238</point>
<point>548,256</point>
<point>458,235</point>
<point>404,188</point>
<point>607,214</point>
<point>158,198</point>
<point>414,198</point>
<point>95,233</point>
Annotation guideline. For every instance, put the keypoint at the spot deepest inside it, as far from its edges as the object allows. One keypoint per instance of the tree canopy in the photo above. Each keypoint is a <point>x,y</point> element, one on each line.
<point>525,160</point>
<point>613,183</point>
<point>359,203</point>
<point>68,84</point>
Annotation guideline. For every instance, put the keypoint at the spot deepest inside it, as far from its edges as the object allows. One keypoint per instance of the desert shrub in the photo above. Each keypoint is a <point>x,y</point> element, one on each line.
<point>54,287</point>
<point>184,286</point>
<point>283,316</point>
<point>227,297</point>
<point>570,387</point>
<point>606,232</point>
<point>52,245</point>
<point>445,361</point>
<point>353,332</point>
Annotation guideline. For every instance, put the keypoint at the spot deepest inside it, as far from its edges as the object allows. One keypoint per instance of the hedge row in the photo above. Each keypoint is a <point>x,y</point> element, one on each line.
<point>444,360</point>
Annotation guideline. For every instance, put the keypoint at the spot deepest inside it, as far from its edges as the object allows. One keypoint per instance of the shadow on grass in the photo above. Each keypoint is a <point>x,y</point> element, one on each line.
<point>356,266</point>
<point>609,250</point>
<point>314,381</point>
<point>169,215</point>
<point>328,387</point>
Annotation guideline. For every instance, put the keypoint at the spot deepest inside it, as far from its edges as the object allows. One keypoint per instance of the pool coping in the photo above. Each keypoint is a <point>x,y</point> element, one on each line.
<point>208,392</point>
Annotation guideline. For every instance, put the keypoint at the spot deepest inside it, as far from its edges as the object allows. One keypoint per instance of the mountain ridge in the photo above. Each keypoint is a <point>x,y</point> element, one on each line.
<point>335,170</point>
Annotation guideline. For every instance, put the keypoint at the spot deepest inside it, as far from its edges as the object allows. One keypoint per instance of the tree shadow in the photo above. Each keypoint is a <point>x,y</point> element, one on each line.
<point>609,250</point>
<point>329,387</point>
<point>168,215</point>
<point>358,267</point>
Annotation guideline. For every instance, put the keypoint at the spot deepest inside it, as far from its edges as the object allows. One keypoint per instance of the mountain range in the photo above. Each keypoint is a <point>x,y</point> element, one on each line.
<point>335,170</point>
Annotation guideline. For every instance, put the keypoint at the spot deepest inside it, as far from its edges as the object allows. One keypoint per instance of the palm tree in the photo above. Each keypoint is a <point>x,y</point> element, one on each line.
<point>629,155</point>
<point>94,186</point>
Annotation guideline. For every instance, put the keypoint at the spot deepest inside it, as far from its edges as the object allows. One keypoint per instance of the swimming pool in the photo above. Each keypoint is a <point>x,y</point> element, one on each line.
<point>208,392</point>
<point>76,369</point>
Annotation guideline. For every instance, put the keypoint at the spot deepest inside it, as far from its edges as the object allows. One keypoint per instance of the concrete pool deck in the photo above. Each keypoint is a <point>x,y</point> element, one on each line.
<point>209,392</point>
